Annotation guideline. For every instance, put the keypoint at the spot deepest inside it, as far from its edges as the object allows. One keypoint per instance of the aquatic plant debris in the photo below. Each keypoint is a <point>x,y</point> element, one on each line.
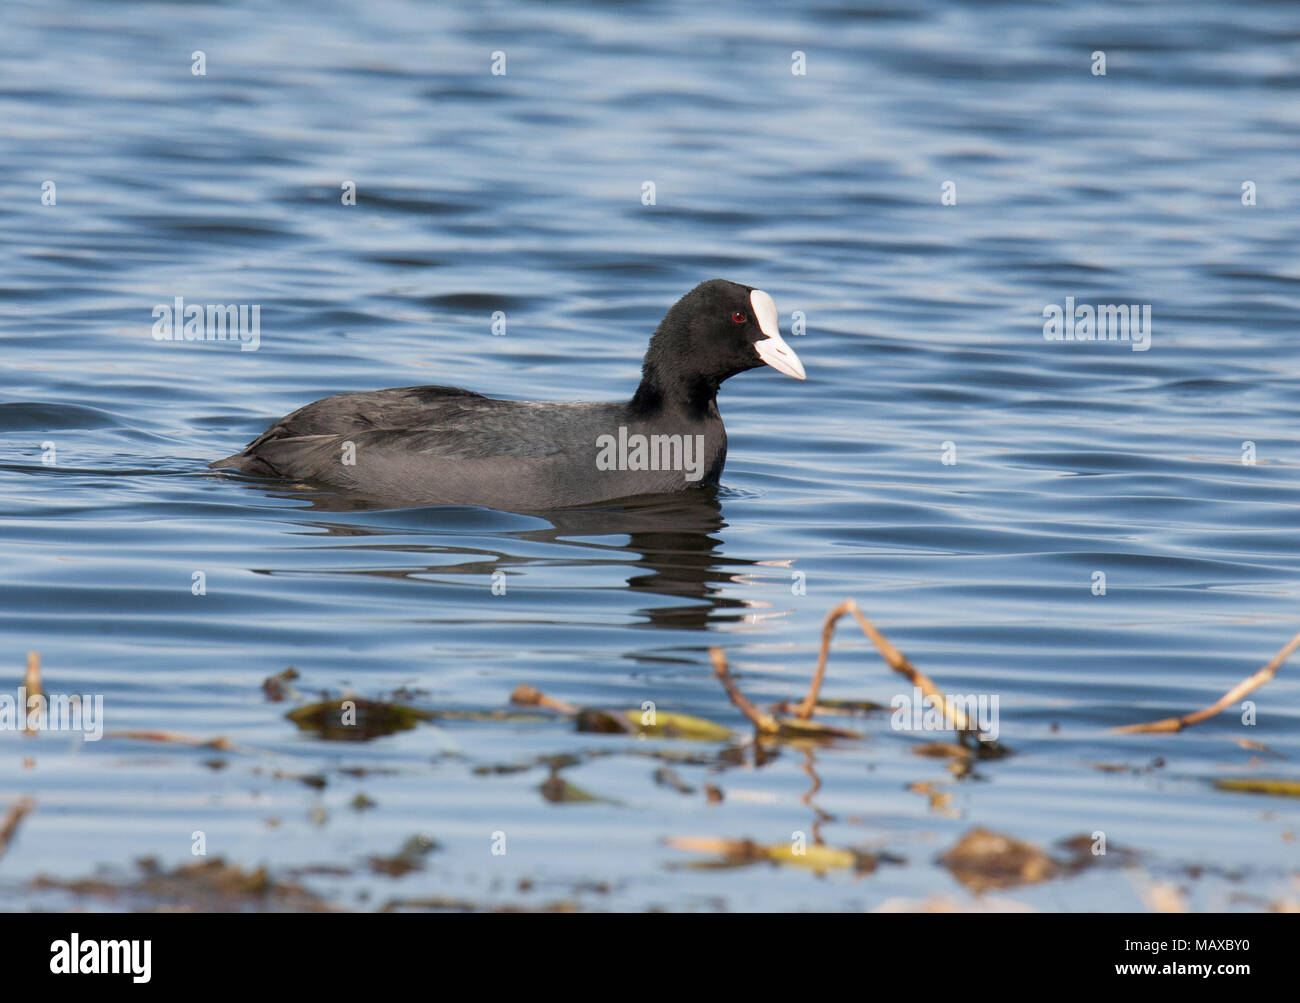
<point>744,852</point>
<point>206,886</point>
<point>666,776</point>
<point>32,685</point>
<point>174,738</point>
<point>557,790</point>
<point>656,724</point>
<point>11,820</point>
<point>409,858</point>
<point>1248,685</point>
<point>277,687</point>
<point>982,860</point>
<point>769,724</point>
<point>953,715</point>
<point>1252,746</point>
<point>1260,785</point>
<point>353,719</point>
<point>444,903</point>
<point>801,724</point>
<point>892,656</point>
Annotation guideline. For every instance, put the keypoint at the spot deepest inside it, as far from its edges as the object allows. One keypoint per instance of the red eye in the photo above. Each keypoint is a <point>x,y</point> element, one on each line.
<point>738,317</point>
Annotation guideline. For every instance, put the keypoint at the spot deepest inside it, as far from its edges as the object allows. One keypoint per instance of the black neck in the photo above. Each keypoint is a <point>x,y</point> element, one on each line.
<point>695,396</point>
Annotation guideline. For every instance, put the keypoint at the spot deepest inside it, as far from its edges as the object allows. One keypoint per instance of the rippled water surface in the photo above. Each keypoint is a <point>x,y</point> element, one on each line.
<point>522,193</point>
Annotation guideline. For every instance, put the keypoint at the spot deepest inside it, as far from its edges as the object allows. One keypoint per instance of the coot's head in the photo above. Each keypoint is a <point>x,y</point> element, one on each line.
<point>715,331</point>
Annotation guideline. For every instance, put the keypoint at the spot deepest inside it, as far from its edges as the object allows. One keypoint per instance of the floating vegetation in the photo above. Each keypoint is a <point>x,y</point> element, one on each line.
<point>666,776</point>
<point>661,725</point>
<point>173,738</point>
<point>443,903</point>
<point>316,781</point>
<point>768,724</point>
<point>983,860</point>
<point>691,750</point>
<point>744,852</point>
<point>1252,746</point>
<point>207,886</point>
<point>651,724</point>
<point>941,750</point>
<point>356,720</point>
<point>1156,764</point>
<point>409,858</point>
<point>853,707</point>
<point>277,687</point>
<point>557,790</point>
<point>1259,785</point>
<point>780,724</point>
<point>940,800</point>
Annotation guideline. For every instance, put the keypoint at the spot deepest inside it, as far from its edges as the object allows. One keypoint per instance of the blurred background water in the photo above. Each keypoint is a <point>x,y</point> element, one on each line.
<point>522,193</point>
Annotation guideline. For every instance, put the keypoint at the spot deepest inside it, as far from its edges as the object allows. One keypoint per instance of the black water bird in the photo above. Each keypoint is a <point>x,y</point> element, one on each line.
<point>446,446</point>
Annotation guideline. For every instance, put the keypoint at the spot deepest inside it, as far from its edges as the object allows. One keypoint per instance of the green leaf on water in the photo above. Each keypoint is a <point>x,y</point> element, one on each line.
<point>356,720</point>
<point>629,722</point>
<point>680,726</point>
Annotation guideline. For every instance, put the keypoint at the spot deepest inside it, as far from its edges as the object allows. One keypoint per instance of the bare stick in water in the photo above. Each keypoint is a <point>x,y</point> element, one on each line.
<point>763,722</point>
<point>892,656</point>
<point>10,824</point>
<point>1247,685</point>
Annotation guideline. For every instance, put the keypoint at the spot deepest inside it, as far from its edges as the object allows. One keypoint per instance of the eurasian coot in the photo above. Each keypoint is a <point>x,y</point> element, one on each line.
<point>446,446</point>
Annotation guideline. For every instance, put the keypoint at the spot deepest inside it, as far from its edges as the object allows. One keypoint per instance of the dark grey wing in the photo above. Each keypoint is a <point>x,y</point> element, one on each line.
<point>436,423</point>
<point>343,414</point>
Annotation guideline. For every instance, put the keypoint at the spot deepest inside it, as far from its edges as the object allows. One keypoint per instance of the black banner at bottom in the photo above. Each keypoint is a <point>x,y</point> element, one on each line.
<point>90,951</point>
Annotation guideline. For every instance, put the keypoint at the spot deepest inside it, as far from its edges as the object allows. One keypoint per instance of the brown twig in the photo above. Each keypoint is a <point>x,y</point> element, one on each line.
<point>530,696</point>
<point>892,656</point>
<point>1247,685</point>
<point>173,738</point>
<point>763,722</point>
<point>12,818</point>
<point>32,686</point>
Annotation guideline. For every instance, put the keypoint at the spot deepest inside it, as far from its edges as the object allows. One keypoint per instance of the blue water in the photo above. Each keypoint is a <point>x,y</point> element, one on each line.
<point>522,193</point>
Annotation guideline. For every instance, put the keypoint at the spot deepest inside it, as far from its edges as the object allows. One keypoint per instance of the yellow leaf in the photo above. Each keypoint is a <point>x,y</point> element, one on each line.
<point>1286,788</point>
<point>795,727</point>
<point>628,722</point>
<point>683,726</point>
<point>818,858</point>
